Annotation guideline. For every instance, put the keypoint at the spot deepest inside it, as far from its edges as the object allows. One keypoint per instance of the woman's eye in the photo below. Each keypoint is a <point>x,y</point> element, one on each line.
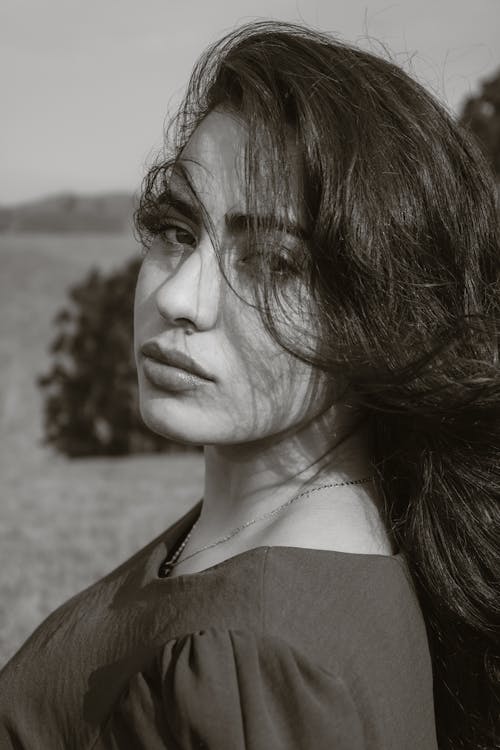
<point>280,264</point>
<point>283,266</point>
<point>175,234</point>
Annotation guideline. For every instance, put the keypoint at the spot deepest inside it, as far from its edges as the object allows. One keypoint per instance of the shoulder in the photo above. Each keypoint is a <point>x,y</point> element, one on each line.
<point>341,602</point>
<point>225,689</point>
<point>233,688</point>
<point>340,595</point>
<point>359,616</point>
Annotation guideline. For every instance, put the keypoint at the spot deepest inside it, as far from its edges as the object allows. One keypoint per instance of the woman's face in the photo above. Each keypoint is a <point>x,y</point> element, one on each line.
<point>255,390</point>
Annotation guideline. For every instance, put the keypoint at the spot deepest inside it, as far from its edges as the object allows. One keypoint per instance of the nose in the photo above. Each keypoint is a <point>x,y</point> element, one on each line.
<point>191,292</point>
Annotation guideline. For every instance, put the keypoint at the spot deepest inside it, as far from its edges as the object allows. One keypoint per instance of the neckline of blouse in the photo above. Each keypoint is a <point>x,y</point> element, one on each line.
<point>187,520</point>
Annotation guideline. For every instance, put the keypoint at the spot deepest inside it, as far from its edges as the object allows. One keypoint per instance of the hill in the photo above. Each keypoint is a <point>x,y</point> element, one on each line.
<point>71,213</point>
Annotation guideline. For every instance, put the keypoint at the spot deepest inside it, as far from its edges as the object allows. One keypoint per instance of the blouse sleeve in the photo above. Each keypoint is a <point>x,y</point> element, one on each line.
<point>221,689</point>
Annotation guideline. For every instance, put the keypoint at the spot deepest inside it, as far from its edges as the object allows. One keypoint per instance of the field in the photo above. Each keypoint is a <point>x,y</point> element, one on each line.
<point>64,523</point>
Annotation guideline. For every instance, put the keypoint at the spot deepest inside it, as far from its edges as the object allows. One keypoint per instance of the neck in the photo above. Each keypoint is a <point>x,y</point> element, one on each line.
<point>248,480</point>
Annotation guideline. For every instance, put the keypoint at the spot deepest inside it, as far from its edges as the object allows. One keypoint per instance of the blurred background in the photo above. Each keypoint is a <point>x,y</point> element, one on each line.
<point>87,86</point>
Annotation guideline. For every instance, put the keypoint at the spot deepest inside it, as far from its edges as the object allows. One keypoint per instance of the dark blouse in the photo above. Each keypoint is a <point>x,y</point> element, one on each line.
<point>276,648</point>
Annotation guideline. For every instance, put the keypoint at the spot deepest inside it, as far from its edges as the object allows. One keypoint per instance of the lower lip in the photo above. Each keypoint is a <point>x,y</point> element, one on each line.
<point>171,378</point>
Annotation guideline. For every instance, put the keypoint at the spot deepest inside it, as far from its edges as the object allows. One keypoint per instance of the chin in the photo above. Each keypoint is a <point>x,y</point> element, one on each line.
<point>170,422</point>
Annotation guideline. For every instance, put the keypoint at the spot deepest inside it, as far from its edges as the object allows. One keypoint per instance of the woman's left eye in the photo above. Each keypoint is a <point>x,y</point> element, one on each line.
<point>280,264</point>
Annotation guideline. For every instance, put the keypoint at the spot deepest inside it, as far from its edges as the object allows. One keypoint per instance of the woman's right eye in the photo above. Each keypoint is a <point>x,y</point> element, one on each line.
<point>175,234</point>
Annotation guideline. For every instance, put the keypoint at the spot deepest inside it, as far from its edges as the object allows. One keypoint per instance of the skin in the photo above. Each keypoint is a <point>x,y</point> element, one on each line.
<point>266,417</point>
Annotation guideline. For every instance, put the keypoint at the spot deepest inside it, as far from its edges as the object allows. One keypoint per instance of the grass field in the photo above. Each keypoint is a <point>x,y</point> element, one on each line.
<point>63,523</point>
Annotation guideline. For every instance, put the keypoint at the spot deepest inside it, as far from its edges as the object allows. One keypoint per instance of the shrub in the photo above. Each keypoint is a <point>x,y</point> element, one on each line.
<point>481,115</point>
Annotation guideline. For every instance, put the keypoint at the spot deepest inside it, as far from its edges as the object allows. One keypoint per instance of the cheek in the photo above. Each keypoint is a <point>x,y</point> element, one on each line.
<point>273,377</point>
<point>287,389</point>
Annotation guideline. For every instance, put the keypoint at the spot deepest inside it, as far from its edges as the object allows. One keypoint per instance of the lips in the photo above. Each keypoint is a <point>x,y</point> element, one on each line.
<point>174,358</point>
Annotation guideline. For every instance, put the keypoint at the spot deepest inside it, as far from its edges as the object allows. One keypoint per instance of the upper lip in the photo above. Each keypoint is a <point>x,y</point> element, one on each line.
<point>174,358</point>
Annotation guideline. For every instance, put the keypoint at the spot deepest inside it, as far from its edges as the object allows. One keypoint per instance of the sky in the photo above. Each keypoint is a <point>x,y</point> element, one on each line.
<point>87,84</point>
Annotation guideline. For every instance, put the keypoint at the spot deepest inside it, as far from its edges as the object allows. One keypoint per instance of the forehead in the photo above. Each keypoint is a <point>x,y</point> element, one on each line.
<point>215,163</point>
<point>213,159</point>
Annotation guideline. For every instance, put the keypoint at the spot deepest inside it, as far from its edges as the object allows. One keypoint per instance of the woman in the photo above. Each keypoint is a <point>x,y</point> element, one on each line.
<point>321,254</point>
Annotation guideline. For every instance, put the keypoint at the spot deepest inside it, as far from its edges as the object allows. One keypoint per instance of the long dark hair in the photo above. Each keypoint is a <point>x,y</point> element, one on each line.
<point>401,264</point>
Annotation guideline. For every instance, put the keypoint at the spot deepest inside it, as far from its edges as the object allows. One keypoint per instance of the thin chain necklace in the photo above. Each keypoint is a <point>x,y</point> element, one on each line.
<point>168,565</point>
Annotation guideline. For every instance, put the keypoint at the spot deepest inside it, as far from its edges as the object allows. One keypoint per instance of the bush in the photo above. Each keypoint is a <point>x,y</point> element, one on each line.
<point>481,115</point>
<point>90,392</point>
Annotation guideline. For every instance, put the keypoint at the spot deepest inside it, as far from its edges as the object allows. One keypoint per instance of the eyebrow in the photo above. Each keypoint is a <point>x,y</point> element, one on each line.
<point>178,202</point>
<point>236,223</point>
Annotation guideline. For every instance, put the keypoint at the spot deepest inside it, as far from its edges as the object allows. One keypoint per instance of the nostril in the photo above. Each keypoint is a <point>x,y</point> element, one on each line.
<point>186,324</point>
